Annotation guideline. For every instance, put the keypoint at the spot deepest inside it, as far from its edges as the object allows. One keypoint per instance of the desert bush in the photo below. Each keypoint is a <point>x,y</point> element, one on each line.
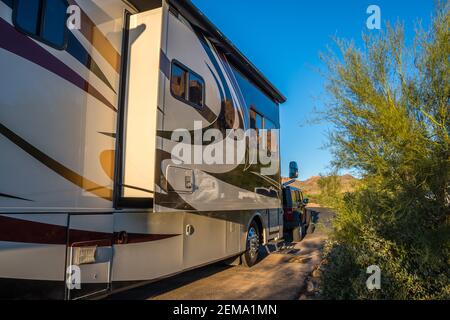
<point>330,189</point>
<point>389,104</point>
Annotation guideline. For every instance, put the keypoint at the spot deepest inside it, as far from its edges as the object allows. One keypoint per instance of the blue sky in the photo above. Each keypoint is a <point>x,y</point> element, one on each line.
<point>284,39</point>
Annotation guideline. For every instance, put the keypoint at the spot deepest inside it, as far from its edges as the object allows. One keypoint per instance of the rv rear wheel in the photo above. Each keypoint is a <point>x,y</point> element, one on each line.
<point>298,233</point>
<point>250,256</point>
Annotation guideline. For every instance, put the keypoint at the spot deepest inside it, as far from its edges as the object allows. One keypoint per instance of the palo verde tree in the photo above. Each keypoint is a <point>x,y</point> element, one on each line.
<point>389,104</point>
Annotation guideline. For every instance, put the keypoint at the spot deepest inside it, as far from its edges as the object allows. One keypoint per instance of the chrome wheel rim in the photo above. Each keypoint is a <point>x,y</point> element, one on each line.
<point>253,242</point>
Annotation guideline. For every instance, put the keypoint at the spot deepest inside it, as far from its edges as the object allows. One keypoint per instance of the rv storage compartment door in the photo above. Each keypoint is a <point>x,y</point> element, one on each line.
<point>141,101</point>
<point>182,180</point>
<point>89,255</point>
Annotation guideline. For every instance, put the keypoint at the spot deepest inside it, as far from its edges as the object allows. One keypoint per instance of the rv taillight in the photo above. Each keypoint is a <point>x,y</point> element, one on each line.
<point>288,214</point>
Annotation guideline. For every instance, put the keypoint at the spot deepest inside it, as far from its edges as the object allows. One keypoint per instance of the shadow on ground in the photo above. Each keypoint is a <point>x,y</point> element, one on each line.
<point>278,276</point>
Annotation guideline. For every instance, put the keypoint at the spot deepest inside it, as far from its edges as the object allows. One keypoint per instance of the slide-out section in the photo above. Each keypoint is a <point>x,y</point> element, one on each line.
<point>140,106</point>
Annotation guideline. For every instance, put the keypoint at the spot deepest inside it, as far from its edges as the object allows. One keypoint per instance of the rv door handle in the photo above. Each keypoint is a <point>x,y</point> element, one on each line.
<point>121,237</point>
<point>190,230</point>
<point>188,182</point>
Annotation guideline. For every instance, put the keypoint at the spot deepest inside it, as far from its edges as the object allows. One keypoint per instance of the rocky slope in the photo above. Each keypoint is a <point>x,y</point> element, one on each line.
<point>311,186</point>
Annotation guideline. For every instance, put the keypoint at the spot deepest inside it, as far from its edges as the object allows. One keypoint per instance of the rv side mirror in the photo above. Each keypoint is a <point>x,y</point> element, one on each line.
<point>293,170</point>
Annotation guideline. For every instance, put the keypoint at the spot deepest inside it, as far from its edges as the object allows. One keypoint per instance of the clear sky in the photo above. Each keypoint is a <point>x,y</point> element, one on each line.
<point>284,39</point>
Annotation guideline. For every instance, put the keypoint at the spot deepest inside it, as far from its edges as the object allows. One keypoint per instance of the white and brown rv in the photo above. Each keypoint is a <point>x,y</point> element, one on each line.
<point>92,200</point>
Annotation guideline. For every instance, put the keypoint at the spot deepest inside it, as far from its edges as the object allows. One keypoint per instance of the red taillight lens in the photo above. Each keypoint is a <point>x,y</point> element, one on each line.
<point>288,214</point>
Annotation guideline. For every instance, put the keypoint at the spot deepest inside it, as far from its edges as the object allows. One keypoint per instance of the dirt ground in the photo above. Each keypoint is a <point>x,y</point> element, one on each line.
<point>280,275</point>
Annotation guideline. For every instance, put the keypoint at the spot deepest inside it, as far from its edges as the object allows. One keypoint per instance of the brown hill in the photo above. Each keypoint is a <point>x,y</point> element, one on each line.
<point>311,186</point>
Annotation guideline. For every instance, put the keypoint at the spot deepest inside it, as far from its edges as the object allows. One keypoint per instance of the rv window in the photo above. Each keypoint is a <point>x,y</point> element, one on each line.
<point>28,15</point>
<point>259,121</point>
<point>44,20</point>
<point>252,119</point>
<point>196,86</point>
<point>54,22</point>
<point>187,86</point>
<point>178,81</point>
<point>270,127</point>
<point>256,120</point>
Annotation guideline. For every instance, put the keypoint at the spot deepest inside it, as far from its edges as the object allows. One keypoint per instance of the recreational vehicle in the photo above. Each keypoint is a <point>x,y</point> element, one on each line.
<point>102,105</point>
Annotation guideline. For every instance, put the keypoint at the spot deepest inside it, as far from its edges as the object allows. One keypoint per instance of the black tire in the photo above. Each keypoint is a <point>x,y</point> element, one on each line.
<point>298,233</point>
<point>287,234</point>
<point>311,228</point>
<point>251,255</point>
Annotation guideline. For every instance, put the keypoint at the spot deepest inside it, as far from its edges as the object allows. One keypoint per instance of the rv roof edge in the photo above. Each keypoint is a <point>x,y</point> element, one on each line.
<point>194,15</point>
<point>144,5</point>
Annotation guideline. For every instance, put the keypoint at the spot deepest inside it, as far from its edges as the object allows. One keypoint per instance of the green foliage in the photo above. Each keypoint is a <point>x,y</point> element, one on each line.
<point>330,189</point>
<point>390,108</point>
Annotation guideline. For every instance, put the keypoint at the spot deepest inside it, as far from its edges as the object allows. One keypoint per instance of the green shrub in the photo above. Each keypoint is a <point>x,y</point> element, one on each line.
<point>390,108</point>
<point>330,189</point>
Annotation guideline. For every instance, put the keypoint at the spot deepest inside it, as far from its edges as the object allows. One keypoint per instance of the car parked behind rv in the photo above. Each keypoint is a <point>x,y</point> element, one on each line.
<point>296,218</point>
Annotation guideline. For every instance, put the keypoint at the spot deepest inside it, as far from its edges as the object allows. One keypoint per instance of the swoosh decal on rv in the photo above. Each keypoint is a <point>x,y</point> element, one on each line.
<point>227,103</point>
<point>76,50</point>
<point>108,134</point>
<point>9,3</point>
<point>57,167</point>
<point>21,45</point>
<point>3,195</point>
<point>222,95</point>
<point>228,97</point>
<point>25,231</point>
<point>98,40</point>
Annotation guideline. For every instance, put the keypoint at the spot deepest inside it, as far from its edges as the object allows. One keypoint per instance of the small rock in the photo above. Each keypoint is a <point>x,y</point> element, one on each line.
<point>316,273</point>
<point>311,286</point>
<point>304,260</point>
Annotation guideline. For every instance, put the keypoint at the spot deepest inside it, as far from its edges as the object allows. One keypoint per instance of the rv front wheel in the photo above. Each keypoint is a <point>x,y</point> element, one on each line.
<point>250,256</point>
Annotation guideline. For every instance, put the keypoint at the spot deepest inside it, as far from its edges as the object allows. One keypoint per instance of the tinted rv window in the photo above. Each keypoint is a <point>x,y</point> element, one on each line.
<point>252,119</point>
<point>44,20</point>
<point>28,15</point>
<point>270,127</point>
<point>186,85</point>
<point>256,120</point>
<point>196,90</point>
<point>54,24</point>
<point>178,81</point>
